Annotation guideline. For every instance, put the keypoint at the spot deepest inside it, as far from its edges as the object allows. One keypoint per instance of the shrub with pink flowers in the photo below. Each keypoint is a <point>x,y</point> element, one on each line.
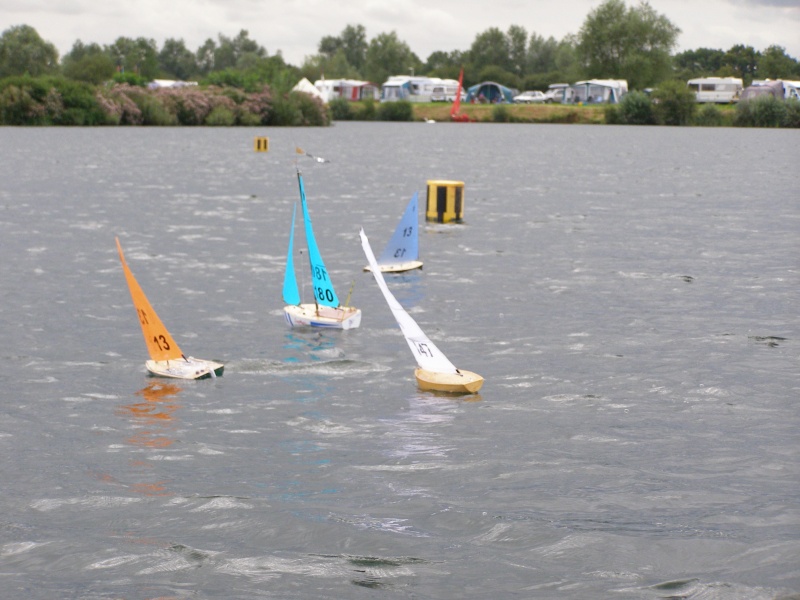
<point>36,101</point>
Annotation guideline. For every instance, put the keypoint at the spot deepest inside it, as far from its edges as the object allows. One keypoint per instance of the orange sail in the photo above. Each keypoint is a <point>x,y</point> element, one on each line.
<point>455,110</point>
<point>159,342</point>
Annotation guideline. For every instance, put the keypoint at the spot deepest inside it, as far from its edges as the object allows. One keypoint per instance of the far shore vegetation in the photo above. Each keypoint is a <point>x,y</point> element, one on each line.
<point>236,82</point>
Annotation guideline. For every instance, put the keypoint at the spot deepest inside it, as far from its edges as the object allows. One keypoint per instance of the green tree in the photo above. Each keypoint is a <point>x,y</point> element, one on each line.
<point>230,51</point>
<point>339,66</point>
<point>541,56</point>
<point>490,48</point>
<point>675,103</point>
<point>518,49</point>
<point>446,65</point>
<point>88,63</point>
<point>335,66</point>
<point>205,56</point>
<point>329,45</point>
<point>354,45</point>
<point>763,111</point>
<point>139,56</point>
<point>176,61</point>
<point>741,61</point>
<point>499,75</point>
<point>633,44</point>
<point>567,62</point>
<point>699,63</point>
<point>387,55</point>
<point>774,63</point>
<point>23,51</point>
<point>635,108</point>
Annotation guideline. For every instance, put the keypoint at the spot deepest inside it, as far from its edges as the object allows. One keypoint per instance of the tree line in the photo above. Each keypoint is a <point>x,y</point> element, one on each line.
<point>615,42</point>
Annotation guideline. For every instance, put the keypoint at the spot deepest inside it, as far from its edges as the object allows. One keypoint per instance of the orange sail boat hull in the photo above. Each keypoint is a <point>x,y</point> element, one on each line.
<point>167,359</point>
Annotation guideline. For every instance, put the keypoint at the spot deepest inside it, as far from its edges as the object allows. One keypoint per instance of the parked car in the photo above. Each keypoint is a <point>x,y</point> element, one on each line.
<point>555,92</point>
<point>529,97</point>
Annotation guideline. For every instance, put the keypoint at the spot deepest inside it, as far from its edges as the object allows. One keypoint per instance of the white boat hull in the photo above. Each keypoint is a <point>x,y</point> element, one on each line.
<point>463,382</point>
<point>409,265</point>
<point>312,315</point>
<point>190,368</point>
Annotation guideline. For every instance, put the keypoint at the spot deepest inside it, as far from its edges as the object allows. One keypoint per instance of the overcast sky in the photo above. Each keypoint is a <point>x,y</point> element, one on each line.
<point>295,27</point>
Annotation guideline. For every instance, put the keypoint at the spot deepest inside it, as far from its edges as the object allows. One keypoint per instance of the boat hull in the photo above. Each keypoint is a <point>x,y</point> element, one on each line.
<point>190,368</point>
<point>463,382</point>
<point>408,265</point>
<point>311,315</point>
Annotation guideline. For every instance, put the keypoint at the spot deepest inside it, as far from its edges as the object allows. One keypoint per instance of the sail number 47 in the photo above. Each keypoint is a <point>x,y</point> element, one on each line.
<point>422,348</point>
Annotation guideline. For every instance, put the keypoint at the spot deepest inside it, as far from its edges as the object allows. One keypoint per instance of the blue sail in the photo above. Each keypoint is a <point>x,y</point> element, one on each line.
<point>291,295</point>
<point>404,245</point>
<point>323,287</point>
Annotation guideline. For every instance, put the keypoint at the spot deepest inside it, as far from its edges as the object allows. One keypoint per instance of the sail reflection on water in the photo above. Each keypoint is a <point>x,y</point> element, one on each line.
<point>154,419</point>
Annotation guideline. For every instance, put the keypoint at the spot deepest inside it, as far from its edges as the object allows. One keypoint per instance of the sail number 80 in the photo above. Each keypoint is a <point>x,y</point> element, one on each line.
<point>324,294</point>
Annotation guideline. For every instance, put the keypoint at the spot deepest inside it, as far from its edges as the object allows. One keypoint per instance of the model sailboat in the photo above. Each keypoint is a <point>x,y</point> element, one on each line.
<point>435,372</point>
<point>326,311</point>
<point>455,109</point>
<point>402,251</point>
<point>167,360</point>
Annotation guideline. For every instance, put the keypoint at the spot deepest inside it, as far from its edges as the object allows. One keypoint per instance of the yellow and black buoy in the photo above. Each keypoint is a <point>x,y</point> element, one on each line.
<point>445,201</point>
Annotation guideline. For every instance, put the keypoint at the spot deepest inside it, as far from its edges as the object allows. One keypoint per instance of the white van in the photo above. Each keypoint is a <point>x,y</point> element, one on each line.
<point>444,90</point>
<point>720,90</point>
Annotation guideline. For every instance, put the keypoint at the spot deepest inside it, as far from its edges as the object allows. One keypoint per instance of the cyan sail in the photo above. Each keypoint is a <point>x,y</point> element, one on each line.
<point>291,294</point>
<point>404,245</point>
<point>323,287</point>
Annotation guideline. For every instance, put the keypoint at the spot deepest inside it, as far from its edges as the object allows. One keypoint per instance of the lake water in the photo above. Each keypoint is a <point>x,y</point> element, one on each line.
<point>629,294</point>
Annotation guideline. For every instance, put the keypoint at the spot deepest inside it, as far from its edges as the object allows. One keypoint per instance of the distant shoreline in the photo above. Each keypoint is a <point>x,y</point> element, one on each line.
<point>529,113</point>
<point>517,113</point>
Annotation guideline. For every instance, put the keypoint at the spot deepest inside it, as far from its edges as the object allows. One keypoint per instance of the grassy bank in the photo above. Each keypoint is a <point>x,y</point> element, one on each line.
<point>513,113</point>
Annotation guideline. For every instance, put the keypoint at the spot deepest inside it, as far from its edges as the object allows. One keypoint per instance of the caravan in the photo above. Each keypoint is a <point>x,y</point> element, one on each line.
<point>404,87</point>
<point>444,90</point>
<point>720,90</point>
<point>791,89</point>
<point>349,89</point>
<point>418,89</point>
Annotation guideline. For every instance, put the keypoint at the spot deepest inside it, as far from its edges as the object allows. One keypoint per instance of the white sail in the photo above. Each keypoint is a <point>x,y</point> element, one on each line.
<point>428,356</point>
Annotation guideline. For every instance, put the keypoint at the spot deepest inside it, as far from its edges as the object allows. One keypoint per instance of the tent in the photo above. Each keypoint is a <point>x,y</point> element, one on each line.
<point>305,86</point>
<point>592,91</point>
<point>489,91</point>
<point>764,88</point>
<point>169,83</point>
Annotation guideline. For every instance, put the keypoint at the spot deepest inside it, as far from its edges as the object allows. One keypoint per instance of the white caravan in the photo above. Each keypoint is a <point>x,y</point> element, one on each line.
<point>719,90</point>
<point>418,89</point>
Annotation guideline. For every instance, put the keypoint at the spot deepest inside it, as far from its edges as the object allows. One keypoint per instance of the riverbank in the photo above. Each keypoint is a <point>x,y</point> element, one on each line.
<point>513,113</point>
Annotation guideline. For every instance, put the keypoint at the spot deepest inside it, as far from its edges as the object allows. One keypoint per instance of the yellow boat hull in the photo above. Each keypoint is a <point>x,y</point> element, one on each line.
<point>463,382</point>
